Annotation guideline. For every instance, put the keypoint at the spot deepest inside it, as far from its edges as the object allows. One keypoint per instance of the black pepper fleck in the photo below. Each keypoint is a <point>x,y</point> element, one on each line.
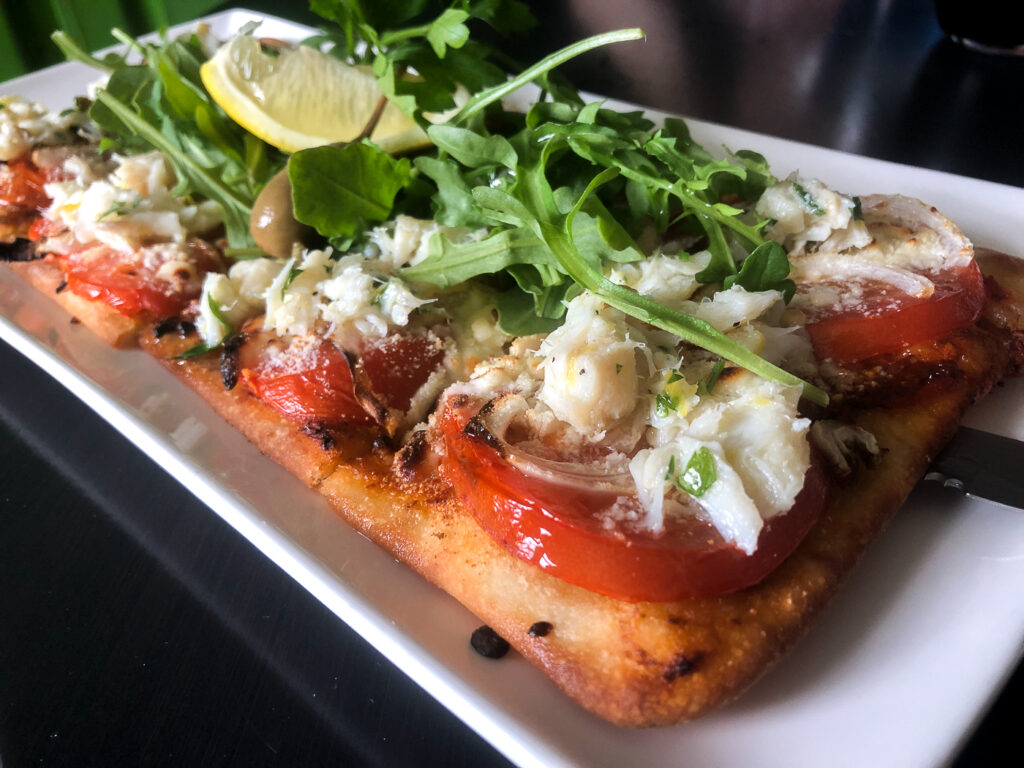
<point>489,643</point>
<point>540,629</point>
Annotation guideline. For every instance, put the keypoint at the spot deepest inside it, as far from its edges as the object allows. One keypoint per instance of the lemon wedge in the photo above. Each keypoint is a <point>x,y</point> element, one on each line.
<point>302,98</point>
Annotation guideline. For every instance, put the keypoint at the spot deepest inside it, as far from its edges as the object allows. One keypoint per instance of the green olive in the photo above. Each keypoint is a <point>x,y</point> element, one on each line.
<point>273,225</point>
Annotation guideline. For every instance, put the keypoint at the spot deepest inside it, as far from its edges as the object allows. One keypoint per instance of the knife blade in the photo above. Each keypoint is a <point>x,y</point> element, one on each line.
<point>982,465</point>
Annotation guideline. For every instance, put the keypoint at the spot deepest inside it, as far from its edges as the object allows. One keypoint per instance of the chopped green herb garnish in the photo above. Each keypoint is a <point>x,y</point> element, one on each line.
<point>808,200</point>
<point>665,404</point>
<point>293,273</point>
<point>700,473</point>
<point>706,386</point>
<point>856,212</point>
<point>120,208</point>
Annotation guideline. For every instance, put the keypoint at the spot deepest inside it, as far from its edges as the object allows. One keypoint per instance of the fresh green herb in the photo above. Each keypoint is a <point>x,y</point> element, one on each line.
<point>289,279</point>
<point>665,405</point>
<point>215,310</point>
<point>765,269</point>
<point>120,208</point>
<point>705,387</point>
<point>808,200</point>
<point>197,351</point>
<point>340,190</point>
<point>699,475</point>
<point>856,211</point>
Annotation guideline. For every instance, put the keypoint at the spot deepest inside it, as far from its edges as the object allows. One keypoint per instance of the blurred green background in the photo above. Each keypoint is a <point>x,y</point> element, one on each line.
<point>25,25</point>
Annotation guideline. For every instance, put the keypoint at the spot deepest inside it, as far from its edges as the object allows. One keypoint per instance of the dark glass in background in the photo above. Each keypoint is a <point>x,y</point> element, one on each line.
<point>990,26</point>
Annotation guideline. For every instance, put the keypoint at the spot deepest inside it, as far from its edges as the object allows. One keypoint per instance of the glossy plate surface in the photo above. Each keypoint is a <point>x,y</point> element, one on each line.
<point>895,673</point>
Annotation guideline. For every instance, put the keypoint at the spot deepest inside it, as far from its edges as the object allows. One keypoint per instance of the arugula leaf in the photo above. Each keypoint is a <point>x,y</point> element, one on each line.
<point>337,190</point>
<point>516,315</point>
<point>765,269</point>
<point>454,205</point>
<point>534,304</point>
<point>236,209</point>
<point>471,149</point>
<point>555,231</point>
<point>722,263</point>
<point>448,264</point>
<point>487,97</point>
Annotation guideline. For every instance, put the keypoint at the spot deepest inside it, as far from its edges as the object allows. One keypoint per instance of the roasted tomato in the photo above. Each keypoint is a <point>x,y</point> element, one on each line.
<point>307,380</point>
<point>21,184</point>
<point>310,379</point>
<point>559,526</point>
<point>886,320</point>
<point>139,281</point>
<point>397,366</point>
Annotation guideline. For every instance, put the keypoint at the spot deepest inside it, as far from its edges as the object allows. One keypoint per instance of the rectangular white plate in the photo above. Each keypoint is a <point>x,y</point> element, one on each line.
<point>896,672</point>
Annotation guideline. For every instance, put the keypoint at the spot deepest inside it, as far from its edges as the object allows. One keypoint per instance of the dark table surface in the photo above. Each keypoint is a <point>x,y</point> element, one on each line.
<point>138,628</point>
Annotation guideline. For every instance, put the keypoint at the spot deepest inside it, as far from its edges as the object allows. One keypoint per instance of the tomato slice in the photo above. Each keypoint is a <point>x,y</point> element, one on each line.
<point>44,227</point>
<point>21,183</point>
<point>307,382</point>
<point>126,282</point>
<point>310,380</point>
<point>560,528</point>
<point>888,321</point>
<point>398,366</point>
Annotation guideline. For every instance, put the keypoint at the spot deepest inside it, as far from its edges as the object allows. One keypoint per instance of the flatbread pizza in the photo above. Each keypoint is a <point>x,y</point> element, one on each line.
<point>639,408</point>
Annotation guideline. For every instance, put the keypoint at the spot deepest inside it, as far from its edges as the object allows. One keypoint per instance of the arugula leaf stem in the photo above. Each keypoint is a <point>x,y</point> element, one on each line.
<point>123,37</point>
<point>73,52</point>
<point>398,35</point>
<point>747,232</point>
<point>488,96</point>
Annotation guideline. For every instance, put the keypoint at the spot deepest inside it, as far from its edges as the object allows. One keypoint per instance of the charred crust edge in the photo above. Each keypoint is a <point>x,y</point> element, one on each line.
<point>412,454</point>
<point>229,360</point>
<point>475,430</point>
<point>682,665</point>
<point>318,430</point>
<point>19,250</point>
